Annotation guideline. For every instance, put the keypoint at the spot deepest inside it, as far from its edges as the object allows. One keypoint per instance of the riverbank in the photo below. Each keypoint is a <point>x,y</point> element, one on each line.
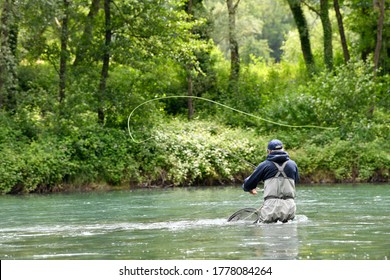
<point>320,180</point>
<point>180,153</point>
<point>101,188</point>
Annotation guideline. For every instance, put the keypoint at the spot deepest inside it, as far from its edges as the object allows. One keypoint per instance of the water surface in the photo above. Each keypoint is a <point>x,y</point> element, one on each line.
<point>333,222</point>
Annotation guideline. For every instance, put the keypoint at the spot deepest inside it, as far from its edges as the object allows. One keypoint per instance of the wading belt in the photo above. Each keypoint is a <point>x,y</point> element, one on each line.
<point>277,197</point>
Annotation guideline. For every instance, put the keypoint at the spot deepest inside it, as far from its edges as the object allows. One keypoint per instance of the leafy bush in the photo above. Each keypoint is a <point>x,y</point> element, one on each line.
<point>344,161</point>
<point>29,167</point>
<point>197,152</point>
<point>102,155</point>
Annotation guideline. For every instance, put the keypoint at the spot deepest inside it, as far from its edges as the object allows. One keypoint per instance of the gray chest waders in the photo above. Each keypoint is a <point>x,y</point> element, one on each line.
<point>280,186</point>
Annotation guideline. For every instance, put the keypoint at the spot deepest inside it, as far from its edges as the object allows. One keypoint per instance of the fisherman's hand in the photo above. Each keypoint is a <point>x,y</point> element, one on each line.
<point>254,192</point>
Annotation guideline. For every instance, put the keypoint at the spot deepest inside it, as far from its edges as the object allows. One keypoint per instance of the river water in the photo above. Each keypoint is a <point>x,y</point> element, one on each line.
<point>333,222</point>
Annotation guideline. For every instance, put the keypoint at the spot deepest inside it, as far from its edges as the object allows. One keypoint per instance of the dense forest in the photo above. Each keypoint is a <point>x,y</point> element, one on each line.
<point>108,93</point>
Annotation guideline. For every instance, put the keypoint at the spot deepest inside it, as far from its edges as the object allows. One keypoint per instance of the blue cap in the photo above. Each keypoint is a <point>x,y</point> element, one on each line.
<point>275,145</point>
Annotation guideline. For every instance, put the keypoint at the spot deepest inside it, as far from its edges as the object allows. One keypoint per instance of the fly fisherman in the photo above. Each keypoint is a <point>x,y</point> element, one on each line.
<point>279,174</point>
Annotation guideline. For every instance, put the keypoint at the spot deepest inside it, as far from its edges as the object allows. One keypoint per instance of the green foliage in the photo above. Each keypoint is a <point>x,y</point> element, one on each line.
<point>344,99</point>
<point>260,27</point>
<point>87,156</point>
<point>38,88</point>
<point>180,153</point>
<point>187,153</point>
<point>27,167</point>
<point>261,88</point>
<point>344,161</point>
<point>102,155</point>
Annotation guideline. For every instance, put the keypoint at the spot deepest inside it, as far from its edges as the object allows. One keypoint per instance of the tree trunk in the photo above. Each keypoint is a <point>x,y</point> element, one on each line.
<point>300,21</point>
<point>190,101</point>
<point>341,30</point>
<point>8,75</point>
<point>233,44</point>
<point>106,60</point>
<point>64,51</point>
<point>327,30</point>
<point>86,38</point>
<point>380,5</point>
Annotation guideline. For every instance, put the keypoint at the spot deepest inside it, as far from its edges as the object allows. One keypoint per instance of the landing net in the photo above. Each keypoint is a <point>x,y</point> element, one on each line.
<point>245,214</point>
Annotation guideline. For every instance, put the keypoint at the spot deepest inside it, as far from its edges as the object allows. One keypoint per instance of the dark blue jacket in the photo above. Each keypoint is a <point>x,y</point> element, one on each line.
<point>267,170</point>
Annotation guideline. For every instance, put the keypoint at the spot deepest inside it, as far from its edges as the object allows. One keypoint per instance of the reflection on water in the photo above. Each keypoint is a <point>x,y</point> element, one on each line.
<point>274,241</point>
<point>332,222</point>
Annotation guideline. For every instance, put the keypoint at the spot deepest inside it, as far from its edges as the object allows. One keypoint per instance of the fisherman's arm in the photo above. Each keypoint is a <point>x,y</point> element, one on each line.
<point>251,182</point>
<point>296,177</point>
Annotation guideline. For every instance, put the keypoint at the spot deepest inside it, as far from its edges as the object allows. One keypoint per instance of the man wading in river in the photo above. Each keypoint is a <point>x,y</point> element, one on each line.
<point>279,174</point>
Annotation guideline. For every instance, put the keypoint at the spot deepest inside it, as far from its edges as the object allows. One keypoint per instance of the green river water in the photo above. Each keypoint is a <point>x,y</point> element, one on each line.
<point>333,222</point>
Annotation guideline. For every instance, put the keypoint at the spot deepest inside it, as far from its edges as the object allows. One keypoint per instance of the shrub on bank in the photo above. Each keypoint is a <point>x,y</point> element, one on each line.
<point>198,152</point>
<point>180,153</point>
<point>344,161</point>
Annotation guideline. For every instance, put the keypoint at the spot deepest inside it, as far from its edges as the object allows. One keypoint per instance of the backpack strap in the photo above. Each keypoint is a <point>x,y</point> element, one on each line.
<point>280,169</point>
